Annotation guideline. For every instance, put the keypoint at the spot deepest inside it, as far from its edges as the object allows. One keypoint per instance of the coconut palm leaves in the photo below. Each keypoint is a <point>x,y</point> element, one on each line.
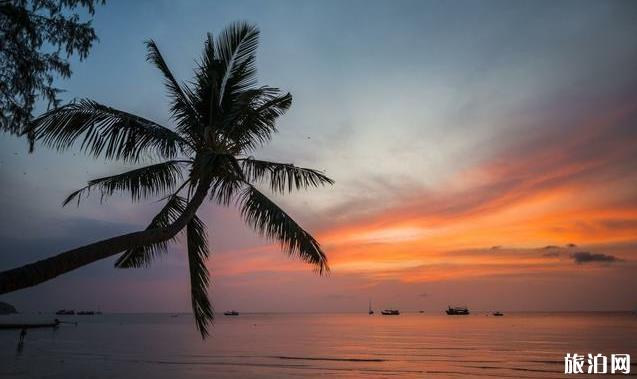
<point>181,104</point>
<point>219,118</point>
<point>271,221</point>
<point>157,179</point>
<point>236,52</point>
<point>282,177</point>
<point>199,276</point>
<point>106,132</point>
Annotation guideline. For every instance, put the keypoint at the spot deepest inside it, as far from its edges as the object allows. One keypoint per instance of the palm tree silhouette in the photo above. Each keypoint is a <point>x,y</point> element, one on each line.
<point>220,117</point>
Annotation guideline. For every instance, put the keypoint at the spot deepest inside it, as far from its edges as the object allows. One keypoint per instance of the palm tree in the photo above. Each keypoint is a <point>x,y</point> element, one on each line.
<point>220,118</point>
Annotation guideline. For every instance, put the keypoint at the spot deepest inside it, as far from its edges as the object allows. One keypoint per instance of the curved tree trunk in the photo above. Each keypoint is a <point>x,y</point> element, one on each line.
<point>35,273</point>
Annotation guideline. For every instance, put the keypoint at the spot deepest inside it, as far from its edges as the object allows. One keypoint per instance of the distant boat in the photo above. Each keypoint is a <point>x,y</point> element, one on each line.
<point>371,311</point>
<point>231,313</point>
<point>421,311</point>
<point>65,312</point>
<point>390,312</point>
<point>53,324</point>
<point>457,311</point>
<point>498,313</point>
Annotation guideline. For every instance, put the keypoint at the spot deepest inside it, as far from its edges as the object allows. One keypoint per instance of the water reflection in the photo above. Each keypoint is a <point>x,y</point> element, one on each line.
<point>345,345</point>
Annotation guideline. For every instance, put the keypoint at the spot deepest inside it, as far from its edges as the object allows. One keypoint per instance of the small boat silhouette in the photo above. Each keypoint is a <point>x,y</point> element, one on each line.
<point>231,313</point>
<point>371,311</point>
<point>390,312</point>
<point>498,313</point>
<point>53,324</point>
<point>457,311</point>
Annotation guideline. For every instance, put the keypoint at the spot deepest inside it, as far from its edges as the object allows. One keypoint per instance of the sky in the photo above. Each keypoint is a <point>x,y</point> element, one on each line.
<point>484,154</point>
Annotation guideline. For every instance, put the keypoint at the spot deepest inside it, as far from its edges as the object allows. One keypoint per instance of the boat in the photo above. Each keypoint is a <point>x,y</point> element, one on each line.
<point>231,313</point>
<point>390,312</point>
<point>65,312</point>
<point>498,313</point>
<point>371,311</point>
<point>53,324</point>
<point>457,311</point>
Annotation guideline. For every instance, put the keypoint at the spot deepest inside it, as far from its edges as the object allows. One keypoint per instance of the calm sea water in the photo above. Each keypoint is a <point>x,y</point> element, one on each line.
<point>316,345</point>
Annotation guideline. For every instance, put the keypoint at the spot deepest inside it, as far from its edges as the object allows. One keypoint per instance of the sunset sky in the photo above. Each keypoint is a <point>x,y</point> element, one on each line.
<point>484,154</point>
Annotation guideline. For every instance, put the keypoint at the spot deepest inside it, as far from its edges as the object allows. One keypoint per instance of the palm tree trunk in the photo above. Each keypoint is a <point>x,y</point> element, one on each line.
<point>35,273</point>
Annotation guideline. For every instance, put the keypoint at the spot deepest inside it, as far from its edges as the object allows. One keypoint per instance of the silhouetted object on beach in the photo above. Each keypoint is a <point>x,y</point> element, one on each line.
<point>457,311</point>
<point>23,333</point>
<point>37,38</point>
<point>7,309</point>
<point>231,313</point>
<point>220,119</point>
<point>390,312</point>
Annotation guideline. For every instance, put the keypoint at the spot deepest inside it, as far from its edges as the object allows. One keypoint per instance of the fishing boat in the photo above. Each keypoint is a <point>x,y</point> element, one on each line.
<point>371,311</point>
<point>231,313</point>
<point>390,312</point>
<point>457,311</point>
<point>53,324</point>
<point>498,313</point>
<point>65,312</point>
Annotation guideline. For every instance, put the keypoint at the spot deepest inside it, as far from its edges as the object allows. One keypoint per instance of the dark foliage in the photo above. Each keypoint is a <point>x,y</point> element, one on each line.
<point>37,37</point>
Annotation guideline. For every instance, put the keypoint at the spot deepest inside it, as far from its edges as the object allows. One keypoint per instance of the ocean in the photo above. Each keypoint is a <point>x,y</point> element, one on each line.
<point>412,345</point>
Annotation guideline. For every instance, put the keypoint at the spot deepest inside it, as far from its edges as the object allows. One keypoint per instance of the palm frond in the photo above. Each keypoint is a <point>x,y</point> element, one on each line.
<point>224,190</point>
<point>199,275</point>
<point>282,177</point>
<point>205,92</point>
<point>105,131</point>
<point>236,48</point>
<point>181,107</point>
<point>142,256</point>
<point>272,222</point>
<point>252,120</point>
<point>157,179</point>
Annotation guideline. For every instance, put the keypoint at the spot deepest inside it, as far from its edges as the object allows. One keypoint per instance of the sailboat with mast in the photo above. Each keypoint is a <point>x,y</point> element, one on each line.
<point>371,311</point>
